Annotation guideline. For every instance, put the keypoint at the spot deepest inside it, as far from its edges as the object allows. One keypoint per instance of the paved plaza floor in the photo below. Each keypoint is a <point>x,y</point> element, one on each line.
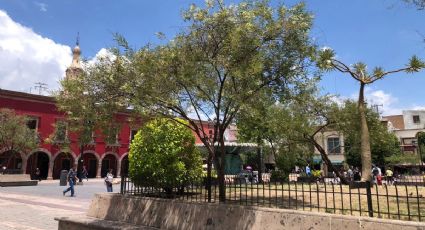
<point>35,207</point>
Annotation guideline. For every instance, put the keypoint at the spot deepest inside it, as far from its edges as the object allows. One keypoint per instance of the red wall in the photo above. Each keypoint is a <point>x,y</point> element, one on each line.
<point>45,109</point>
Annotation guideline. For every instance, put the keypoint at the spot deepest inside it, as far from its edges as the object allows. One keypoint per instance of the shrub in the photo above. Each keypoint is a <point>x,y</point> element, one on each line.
<point>163,155</point>
<point>279,175</point>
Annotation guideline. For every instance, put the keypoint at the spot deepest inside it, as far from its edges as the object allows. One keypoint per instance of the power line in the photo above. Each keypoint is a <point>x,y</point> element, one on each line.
<point>41,87</point>
<point>376,108</point>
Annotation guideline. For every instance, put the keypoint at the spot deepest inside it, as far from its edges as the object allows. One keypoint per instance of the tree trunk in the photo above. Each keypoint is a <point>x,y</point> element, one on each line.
<point>364,137</point>
<point>327,161</point>
<point>209,168</point>
<point>221,184</point>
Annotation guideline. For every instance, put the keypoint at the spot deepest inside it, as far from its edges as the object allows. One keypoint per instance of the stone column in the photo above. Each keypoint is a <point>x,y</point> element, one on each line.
<point>119,168</point>
<point>99,168</point>
<point>24,165</point>
<point>50,171</point>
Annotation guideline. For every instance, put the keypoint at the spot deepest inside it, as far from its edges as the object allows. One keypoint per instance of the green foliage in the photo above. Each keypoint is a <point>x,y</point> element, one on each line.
<point>209,71</point>
<point>402,159</point>
<point>279,175</point>
<point>14,133</point>
<point>163,155</point>
<point>421,144</point>
<point>383,143</point>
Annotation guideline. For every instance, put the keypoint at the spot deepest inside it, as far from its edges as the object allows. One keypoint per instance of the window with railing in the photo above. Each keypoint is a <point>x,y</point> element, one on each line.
<point>32,123</point>
<point>133,133</point>
<point>334,145</point>
<point>61,132</point>
<point>111,136</point>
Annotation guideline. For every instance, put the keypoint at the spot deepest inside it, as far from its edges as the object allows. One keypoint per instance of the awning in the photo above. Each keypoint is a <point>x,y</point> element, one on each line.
<point>317,159</point>
<point>337,162</point>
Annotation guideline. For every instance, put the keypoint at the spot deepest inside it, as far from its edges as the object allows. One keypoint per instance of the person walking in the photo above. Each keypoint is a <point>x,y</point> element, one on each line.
<point>308,170</point>
<point>350,174</point>
<point>389,173</point>
<point>109,179</point>
<point>72,178</point>
<point>84,173</point>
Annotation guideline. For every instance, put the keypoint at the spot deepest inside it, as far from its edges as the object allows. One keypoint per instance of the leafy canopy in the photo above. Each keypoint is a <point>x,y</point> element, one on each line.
<point>14,133</point>
<point>384,144</point>
<point>163,155</point>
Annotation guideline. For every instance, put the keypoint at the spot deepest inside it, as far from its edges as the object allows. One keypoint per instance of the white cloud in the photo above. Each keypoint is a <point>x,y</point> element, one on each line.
<point>42,6</point>
<point>26,57</point>
<point>387,103</point>
<point>102,54</point>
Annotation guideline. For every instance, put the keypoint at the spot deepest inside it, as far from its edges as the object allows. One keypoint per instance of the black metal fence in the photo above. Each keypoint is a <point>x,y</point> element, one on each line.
<point>403,202</point>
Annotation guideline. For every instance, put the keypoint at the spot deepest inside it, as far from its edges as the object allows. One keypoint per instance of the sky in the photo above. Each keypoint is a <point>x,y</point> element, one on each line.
<point>36,38</point>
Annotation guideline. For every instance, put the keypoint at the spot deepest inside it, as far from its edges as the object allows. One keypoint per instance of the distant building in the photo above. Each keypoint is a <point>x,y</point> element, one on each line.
<point>333,143</point>
<point>406,127</point>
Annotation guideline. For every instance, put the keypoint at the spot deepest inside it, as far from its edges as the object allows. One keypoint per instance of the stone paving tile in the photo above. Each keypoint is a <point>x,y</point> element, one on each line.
<point>17,216</point>
<point>35,207</point>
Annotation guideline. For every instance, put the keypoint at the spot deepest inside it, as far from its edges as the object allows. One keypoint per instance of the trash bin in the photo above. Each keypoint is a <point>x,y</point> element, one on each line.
<point>63,177</point>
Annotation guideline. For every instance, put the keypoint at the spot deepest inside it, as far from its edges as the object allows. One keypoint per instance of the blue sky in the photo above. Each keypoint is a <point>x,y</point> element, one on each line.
<point>36,38</point>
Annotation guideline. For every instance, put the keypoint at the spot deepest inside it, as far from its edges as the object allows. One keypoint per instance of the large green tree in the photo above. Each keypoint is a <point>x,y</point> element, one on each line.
<point>209,71</point>
<point>359,72</point>
<point>383,143</point>
<point>290,127</point>
<point>163,155</point>
<point>15,136</point>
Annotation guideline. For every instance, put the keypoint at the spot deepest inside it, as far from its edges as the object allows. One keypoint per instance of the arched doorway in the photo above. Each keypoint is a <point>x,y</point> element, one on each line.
<point>109,161</point>
<point>38,160</point>
<point>90,161</point>
<point>124,166</point>
<point>63,161</point>
<point>12,160</point>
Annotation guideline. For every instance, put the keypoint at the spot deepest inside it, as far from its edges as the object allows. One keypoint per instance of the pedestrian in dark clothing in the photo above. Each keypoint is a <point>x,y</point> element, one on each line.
<point>356,174</point>
<point>37,174</point>
<point>84,173</point>
<point>72,178</point>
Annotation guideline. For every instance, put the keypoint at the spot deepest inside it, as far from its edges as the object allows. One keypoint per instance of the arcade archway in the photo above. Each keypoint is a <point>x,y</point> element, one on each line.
<point>109,161</point>
<point>63,161</point>
<point>90,161</point>
<point>12,160</point>
<point>38,160</point>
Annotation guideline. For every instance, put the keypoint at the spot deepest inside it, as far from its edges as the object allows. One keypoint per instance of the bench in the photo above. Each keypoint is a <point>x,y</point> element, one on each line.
<point>8,180</point>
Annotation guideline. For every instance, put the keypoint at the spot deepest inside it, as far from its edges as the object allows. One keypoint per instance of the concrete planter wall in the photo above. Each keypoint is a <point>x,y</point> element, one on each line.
<point>172,214</point>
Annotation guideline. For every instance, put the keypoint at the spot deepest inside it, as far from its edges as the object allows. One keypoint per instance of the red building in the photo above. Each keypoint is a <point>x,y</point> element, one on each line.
<point>51,157</point>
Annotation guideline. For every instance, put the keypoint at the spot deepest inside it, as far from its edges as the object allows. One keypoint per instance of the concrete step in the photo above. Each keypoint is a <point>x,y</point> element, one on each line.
<point>90,223</point>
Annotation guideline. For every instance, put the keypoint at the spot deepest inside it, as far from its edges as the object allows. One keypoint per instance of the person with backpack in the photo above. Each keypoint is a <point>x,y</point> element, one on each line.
<point>72,178</point>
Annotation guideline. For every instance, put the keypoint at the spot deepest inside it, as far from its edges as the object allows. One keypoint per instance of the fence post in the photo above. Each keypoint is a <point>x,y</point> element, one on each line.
<point>369,198</point>
<point>122,184</point>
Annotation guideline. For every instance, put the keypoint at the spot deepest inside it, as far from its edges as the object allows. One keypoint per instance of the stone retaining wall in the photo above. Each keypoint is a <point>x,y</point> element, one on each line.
<point>172,214</point>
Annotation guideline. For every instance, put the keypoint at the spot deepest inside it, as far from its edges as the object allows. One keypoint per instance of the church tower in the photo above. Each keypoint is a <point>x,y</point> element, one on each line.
<point>75,69</point>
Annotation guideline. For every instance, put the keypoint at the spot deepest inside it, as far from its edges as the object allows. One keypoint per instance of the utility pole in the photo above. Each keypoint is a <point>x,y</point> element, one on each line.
<point>41,87</point>
<point>376,108</point>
